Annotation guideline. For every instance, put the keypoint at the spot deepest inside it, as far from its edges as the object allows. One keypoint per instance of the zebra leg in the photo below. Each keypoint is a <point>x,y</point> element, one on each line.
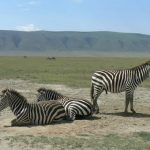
<point>95,105</point>
<point>126,106</point>
<point>95,108</point>
<point>16,122</point>
<point>127,102</point>
<point>129,99</point>
<point>131,104</point>
<point>71,115</point>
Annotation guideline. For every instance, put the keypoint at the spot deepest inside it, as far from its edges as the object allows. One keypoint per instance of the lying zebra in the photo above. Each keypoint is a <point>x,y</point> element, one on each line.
<point>30,114</point>
<point>74,107</point>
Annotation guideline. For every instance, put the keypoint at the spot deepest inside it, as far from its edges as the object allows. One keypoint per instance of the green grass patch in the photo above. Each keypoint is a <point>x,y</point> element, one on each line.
<point>137,141</point>
<point>72,71</point>
<point>144,135</point>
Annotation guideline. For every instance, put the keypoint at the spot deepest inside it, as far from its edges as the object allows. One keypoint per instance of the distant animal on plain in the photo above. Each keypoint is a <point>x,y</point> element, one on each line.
<point>51,58</point>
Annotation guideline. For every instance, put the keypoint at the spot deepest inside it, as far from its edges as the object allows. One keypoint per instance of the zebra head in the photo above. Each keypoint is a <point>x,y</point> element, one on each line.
<point>41,96</point>
<point>47,94</point>
<point>10,98</point>
<point>4,102</point>
<point>149,67</point>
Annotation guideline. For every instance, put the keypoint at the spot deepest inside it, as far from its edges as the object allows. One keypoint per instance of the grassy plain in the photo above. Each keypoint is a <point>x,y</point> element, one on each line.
<point>72,71</point>
<point>75,72</point>
<point>138,141</point>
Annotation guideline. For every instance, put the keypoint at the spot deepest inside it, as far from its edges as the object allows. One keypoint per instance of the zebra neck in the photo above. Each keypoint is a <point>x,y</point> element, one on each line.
<point>63,99</point>
<point>141,73</point>
<point>59,97</point>
<point>17,106</point>
<point>51,96</point>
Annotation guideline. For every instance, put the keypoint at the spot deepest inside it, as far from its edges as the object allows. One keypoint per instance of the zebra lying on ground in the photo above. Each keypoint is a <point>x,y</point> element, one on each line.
<point>30,114</point>
<point>74,107</point>
<point>118,81</point>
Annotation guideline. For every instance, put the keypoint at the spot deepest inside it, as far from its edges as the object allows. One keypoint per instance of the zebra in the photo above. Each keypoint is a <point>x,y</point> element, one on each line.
<point>118,81</point>
<point>30,113</point>
<point>74,107</point>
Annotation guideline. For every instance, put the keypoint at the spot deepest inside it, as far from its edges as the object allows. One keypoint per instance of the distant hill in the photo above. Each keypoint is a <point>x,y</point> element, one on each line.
<point>47,41</point>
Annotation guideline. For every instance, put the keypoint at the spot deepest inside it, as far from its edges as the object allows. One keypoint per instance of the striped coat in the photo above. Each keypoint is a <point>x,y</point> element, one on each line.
<point>74,107</point>
<point>118,81</point>
<point>30,113</point>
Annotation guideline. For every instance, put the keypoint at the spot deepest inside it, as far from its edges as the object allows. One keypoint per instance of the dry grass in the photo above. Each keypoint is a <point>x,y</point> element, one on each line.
<point>110,129</point>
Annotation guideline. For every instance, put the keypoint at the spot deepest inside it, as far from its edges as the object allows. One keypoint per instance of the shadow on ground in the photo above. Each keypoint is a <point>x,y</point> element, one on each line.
<point>136,115</point>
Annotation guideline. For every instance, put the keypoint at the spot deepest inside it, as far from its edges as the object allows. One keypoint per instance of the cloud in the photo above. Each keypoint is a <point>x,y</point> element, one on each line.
<point>28,28</point>
<point>33,2</point>
<point>27,5</point>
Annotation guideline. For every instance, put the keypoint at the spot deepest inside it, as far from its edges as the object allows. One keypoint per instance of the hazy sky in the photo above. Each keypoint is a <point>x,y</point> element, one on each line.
<point>76,15</point>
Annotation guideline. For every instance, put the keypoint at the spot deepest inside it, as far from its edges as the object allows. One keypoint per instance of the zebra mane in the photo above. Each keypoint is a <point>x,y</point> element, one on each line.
<point>148,62</point>
<point>14,92</point>
<point>42,90</point>
<point>139,66</point>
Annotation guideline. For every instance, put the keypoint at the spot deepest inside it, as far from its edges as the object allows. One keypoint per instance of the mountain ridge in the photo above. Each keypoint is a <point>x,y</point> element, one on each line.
<point>50,41</point>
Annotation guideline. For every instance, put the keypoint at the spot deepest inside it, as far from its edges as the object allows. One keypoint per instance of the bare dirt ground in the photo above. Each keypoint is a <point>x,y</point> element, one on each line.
<point>111,120</point>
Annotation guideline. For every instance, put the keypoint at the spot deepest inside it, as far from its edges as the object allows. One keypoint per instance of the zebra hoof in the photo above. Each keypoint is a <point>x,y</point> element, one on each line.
<point>96,111</point>
<point>133,111</point>
<point>70,118</point>
<point>14,122</point>
<point>126,113</point>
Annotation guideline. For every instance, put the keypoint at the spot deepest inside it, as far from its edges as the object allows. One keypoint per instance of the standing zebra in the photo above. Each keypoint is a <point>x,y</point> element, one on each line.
<point>30,114</point>
<point>118,81</point>
<point>74,107</point>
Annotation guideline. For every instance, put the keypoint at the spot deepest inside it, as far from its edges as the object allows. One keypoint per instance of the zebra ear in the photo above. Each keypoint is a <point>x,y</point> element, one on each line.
<point>5,91</point>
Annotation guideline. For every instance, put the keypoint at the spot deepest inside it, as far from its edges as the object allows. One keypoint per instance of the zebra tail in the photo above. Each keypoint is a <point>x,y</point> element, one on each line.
<point>83,117</point>
<point>92,91</point>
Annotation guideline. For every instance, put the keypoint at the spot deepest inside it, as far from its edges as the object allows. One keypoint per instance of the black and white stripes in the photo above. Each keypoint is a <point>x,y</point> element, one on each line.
<point>118,81</point>
<point>30,114</point>
<point>74,107</point>
<point>52,105</point>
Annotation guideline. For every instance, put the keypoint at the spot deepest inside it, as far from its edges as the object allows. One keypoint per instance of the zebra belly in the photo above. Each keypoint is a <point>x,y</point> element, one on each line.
<point>116,91</point>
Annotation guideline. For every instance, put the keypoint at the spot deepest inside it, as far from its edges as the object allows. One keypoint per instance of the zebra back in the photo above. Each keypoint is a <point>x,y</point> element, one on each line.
<point>48,94</point>
<point>118,80</point>
<point>78,106</point>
